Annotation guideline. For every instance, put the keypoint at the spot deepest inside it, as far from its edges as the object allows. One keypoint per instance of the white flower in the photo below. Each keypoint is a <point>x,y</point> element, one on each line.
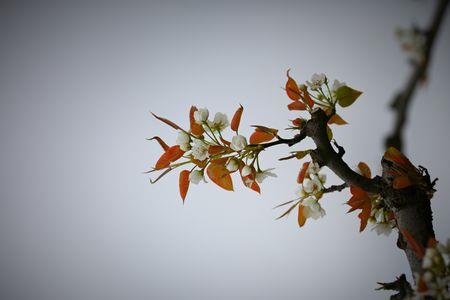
<point>309,201</point>
<point>379,216</point>
<point>232,165</point>
<point>317,182</point>
<point>196,176</point>
<point>200,150</point>
<point>301,192</point>
<point>315,212</point>
<point>337,84</point>
<point>316,81</point>
<point>238,142</point>
<point>427,262</point>
<point>260,176</point>
<point>220,121</point>
<point>308,185</point>
<point>201,115</point>
<point>247,170</point>
<point>382,228</point>
<point>313,168</point>
<point>183,140</point>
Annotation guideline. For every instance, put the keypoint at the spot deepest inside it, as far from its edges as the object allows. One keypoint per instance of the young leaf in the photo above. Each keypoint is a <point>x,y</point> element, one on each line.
<point>259,137</point>
<point>237,119</point>
<point>219,174</point>
<point>307,99</point>
<point>360,200</point>
<point>196,129</point>
<point>170,155</point>
<point>297,105</point>
<point>364,170</point>
<point>292,89</point>
<point>184,183</point>
<point>302,173</point>
<point>168,122</point>
<point>216,149</point>
<point>401,182</point>
<point>346,95</point>
<point>301,219</point>
<point>160,142</point>
<point>336,119</point>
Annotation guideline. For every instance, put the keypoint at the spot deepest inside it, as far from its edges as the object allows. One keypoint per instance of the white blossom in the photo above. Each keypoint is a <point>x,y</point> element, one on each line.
<point>220,121</point>
<point>196,176</point>
<point>183,140</point>
<point>313,168</point>
<point>317,182</point>
<point>247,170</point>
<point>382,228</point>
<point>379,216</point>
<point>200,150</point>
<point>312,208</point>
<point>260,176</point>
<point>427,262</point>
<point>232,165</point>
<point>201,115</point>
<point>238,142</point>
<point>316,81</point>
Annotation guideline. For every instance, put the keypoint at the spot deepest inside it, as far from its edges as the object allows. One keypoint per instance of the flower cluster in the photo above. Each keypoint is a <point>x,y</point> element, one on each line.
<point>381,218</point>
<point>205,147</point>
<point>435,280</point>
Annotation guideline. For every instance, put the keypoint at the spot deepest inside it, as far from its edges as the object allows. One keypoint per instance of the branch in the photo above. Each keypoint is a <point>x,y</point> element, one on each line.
<point>336,188</point>
<point>403,98</point>
<point>325,155</point>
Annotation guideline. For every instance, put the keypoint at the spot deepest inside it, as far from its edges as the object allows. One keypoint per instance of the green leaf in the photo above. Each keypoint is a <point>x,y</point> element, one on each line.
<point>346,96</point>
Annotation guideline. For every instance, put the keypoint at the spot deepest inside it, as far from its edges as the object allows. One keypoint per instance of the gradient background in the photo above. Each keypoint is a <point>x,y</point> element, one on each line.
<point>78,220</point>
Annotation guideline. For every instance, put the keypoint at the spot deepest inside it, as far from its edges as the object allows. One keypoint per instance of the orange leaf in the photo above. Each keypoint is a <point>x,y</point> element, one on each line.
<point>265,129</point>
<point>237,118</point>
<point>307,99</point>
<point>260,137</point>
<point>160,142</point>
<point>215,149</point>
<point>196,129</point>
<point>301,219</point>
<point>336,119</point>
<point>297,105</point>
<point>225,142</point>
<point>360,200</point>
<point>250,182</point>
<point>292,89</point>
<point>200,163</point>
<point>416,247</point>
<point>364,169</point>
<point>184,183</point>
<point>364,216</point>
<point>302,173</point>
<point>168,122</point>
<point>299,122</point>
<point>395,156</point>
<point>219,174</point>
<point>401,182</point>
<point>170,155</point>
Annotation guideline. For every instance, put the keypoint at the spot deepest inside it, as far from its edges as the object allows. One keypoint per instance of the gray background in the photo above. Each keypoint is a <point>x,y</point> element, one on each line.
<point>78,220</point>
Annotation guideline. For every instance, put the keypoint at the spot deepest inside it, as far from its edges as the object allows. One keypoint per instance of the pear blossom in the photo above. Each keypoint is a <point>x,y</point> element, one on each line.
<point>220,122</point>
<point>316,81</point>
<point>383,228</point>
<point>201,115</point>
<point>312,208</point>
<point>238,142</point>
<point>313,168</point>
<point>247,170</point>
<point>200,150</point>
<point>260,176</point>
<point>184,140</point>
<point>232,165</point>
<point>196,176</point>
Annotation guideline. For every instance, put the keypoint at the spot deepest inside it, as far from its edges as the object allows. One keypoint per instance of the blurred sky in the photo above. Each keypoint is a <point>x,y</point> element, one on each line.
<point>79,220</point>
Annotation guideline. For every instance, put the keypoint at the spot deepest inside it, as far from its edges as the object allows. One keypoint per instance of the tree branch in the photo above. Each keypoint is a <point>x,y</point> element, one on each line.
<point>403,98</point>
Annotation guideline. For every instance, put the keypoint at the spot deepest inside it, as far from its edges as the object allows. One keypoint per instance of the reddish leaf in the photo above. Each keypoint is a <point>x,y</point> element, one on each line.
<point>196,129</point>
<point>184,183</point>
<point>297,105</point>
<point>401,182</point>
<point>160,142</point>
<point>250,182</point>
<point>215,149</point>
<point>299,122</point>
<point>260,137</point>
<point>170,155</point>
<point>302,173</point>
<point>301,218</point>
<point>237,119</point>
<point>219,174</point>
<point>364,170</point>
<point>292,89</point>
<point>395,156</point>
<point>307,99</point>
<point>225,142</point>
<point>168,122</point>
<point>360,200</point>
<point>265,129</point>
<point>336,119</point>
<point>416,247</point>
